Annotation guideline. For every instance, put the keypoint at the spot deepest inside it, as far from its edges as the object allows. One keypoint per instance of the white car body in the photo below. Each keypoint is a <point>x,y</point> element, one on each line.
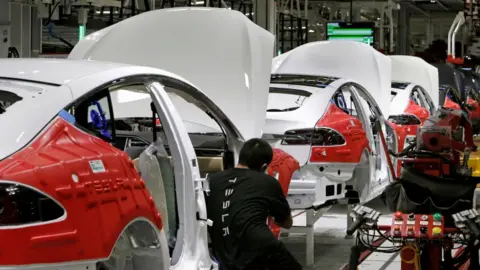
<point>418,73</point>
<point>219,51</point>
<point>346,63</point>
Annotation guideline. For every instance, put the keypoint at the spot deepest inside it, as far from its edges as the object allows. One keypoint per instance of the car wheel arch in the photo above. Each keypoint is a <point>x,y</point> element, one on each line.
<point>136,229</point>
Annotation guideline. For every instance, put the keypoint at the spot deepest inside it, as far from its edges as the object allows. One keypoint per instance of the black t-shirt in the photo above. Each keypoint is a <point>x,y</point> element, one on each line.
<point>239,202</point>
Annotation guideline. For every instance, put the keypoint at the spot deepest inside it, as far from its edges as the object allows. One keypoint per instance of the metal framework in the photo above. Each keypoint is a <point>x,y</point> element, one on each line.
<point>292,32</point>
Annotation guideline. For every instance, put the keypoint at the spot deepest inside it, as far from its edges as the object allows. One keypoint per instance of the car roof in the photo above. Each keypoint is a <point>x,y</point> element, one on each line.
<point>51,71</point>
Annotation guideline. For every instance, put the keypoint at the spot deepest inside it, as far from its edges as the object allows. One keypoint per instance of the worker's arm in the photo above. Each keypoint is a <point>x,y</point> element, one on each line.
<point>279,208</point>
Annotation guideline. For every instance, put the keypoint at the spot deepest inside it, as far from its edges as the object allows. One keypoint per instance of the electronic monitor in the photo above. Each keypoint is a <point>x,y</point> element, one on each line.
<point>357,31</point>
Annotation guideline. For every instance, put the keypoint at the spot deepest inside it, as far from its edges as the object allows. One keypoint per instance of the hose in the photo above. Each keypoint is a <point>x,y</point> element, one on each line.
<point>50,31</point>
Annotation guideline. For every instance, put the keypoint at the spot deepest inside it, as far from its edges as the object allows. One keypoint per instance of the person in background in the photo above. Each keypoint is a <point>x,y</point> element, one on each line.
<point>239,202</point>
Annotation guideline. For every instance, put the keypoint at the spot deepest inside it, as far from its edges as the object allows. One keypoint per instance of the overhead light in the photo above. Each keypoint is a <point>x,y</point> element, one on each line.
<point>311,31</point>
<point>197,3</point>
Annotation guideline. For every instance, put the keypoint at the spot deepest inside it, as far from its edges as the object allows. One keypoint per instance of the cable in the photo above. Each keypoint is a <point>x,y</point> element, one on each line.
<point>299,214</point>
<point>416,258</point>
<point>49,19</point>
<point>50,31</point>
<point>48,22</point>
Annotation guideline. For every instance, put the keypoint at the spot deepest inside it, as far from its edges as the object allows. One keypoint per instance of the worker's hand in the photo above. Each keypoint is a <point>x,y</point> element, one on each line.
<point>287,224</point>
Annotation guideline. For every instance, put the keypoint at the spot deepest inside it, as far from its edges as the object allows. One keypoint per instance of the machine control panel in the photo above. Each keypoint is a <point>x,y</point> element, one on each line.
<point>414,227</point>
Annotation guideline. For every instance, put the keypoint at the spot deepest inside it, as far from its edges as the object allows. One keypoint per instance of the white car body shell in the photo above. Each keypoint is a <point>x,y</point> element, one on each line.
<point>233,70</point>
<point>351,62</point>
<point>414,70</point>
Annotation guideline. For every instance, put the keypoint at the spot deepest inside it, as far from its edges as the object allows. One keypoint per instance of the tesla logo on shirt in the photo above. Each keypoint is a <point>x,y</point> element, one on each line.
<point>226,204</point>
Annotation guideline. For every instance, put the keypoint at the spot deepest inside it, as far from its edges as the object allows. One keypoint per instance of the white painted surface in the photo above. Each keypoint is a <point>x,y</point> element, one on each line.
<point>236,79</point>
<point>415,70</point>
<point>351,60</point>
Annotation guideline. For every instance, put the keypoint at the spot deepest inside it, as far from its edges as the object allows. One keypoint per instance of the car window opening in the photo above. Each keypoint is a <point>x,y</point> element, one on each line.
<point>286,99</point>
<point>7,99</point>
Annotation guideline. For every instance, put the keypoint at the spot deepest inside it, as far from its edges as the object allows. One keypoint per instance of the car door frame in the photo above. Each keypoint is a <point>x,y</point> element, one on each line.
<point>195,252</point>
<point>186,166</point>
<point>191,249</point>
<point>425,98</point>
<point>356,89</point>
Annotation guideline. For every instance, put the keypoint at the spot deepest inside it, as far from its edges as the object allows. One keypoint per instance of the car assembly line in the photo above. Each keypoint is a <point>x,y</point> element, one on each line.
<point>107,155</point>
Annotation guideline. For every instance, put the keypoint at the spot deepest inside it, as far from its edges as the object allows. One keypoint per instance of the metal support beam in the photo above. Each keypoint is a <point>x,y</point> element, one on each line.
<point>403,23</point>
<point>418,9</point>
<point>265,14</point>
<point>442,5</point>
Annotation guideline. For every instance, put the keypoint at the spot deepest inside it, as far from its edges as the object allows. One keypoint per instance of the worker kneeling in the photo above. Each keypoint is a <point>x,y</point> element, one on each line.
<point>239,203</point>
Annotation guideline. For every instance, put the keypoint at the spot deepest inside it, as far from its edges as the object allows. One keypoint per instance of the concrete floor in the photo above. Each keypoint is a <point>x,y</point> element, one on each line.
<point>331,248</point>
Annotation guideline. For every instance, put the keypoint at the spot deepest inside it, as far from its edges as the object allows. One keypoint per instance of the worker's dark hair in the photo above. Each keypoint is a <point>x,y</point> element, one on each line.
<point>255,153</point>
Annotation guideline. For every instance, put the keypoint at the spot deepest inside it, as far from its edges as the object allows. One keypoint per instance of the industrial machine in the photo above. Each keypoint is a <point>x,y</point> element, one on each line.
<point>432,199</point>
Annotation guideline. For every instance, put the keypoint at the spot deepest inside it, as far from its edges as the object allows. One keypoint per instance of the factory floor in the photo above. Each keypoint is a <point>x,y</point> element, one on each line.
<point>332,249</point>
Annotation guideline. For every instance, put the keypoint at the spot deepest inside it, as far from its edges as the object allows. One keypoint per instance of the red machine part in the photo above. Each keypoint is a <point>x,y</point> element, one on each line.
<point>283,165</point>
<point>456,61</point>
<point>435,166</point>
<point>99,205</point>
<point>403,131</point>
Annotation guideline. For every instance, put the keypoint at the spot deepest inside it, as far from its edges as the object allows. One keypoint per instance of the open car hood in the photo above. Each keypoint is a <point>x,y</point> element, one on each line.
<point>415,70</point>
<point>341,58</point>
<point>220,51</point>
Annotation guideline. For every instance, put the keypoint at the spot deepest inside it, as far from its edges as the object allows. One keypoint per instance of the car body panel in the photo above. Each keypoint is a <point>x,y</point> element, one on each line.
<point>163,43</point>
<point>475,112</point>
<point>341,58</point>
<point>94,221</point>
<point>415,70</point>
<point>50,98</point>
<point>352,131</point>
<point>305,116</point>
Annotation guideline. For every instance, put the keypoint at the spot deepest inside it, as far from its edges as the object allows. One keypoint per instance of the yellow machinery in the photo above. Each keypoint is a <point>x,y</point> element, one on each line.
<point>474,161</point>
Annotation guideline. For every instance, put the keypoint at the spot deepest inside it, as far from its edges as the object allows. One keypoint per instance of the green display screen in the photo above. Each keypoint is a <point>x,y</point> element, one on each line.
<point>359,31</point>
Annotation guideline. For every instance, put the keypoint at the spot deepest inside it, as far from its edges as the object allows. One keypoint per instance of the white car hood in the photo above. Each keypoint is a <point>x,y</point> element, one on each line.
<point>344,59</point>
<point>415,70</point>
<point>218,50</point>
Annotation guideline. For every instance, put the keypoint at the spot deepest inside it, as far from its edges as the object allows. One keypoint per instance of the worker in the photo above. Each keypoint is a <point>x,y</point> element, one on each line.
<point>239,202</point>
